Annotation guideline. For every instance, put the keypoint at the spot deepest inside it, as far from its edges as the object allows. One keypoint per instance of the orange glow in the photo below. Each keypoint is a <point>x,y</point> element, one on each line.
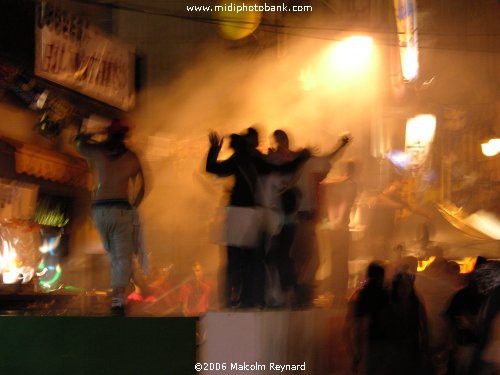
<point>467,264</point>
<point>10,267</point>
<point>349,61</point>
<point>352,53</point>
<point>423,264</point>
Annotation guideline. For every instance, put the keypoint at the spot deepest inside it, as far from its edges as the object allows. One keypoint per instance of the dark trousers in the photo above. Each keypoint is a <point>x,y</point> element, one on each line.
<point>339,277</point>
<point>245,276</point>
<point>279,256</point>
<point>306,259</point>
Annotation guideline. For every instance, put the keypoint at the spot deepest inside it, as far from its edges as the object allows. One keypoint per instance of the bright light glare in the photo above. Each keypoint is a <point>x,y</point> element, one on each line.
<point>352,53</point>
<point>419,136</point>
<point>345,64</point>
<point>11,273</point>
<point>50,244</point>
<point>420,130</point>
<point>491,148</point>
<point>409,62</point>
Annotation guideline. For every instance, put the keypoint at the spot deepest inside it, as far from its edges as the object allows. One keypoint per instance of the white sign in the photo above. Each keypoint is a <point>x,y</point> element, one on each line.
<point>73,53</point>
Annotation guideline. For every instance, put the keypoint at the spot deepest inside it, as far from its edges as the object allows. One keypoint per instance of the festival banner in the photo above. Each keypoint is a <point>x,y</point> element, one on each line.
<point>73,53</point>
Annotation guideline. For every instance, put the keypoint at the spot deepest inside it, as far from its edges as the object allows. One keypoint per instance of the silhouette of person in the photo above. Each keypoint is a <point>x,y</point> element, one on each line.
<point>245,268</point>
<point>305,247</point>
<point>408,329</point>
<point>370,338</point>
<point>339,196</point>
<point>114,216</point>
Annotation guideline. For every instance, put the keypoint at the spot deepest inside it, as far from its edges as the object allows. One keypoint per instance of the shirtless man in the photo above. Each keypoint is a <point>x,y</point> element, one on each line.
<point>115,217</point>
<point>339,196</point>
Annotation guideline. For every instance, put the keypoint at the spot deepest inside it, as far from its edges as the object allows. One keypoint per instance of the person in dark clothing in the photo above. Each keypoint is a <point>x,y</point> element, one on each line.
<point>470,314</point>
<point>488,280</point>
<point>462,316</point>
<point>244,271</point>
<point>370,341</point>
<point>278,258</point>
<point>408,329</point>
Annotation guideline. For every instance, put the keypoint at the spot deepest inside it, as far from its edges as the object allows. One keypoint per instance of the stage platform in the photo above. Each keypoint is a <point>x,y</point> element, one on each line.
<point>50,345</point>
<point>223,343</point>
<point>258,342</point>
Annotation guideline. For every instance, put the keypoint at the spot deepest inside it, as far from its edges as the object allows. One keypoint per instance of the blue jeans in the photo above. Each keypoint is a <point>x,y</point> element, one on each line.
<point>119,229</point>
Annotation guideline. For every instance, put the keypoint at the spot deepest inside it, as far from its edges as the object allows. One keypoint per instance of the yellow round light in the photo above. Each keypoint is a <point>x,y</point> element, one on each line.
<point>237,19</point>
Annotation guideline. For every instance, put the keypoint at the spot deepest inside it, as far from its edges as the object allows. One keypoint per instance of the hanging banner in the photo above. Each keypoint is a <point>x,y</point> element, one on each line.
<point>406,23</point>
<point>75,54</point>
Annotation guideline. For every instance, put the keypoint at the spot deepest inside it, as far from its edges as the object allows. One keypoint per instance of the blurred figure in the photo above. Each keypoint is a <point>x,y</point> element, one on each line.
<point>272,185</point>
<point>252,139</point>
<point>384,221</point>
<point>408,329</point>
<point>409,264</point>
<point>278,259</point>
<point>156,295</point>
<point>472,313</point>
<point>436,286</point>
<point>115,217</point>
<point>463,317</point>
<point>196,295</point>
<point>339,197</point>
<point>453,272</point>
<point>274,193</point>
<point>305,247</point>
<point>245,261</point>
<point>484,361</point>
<point>367,336</point>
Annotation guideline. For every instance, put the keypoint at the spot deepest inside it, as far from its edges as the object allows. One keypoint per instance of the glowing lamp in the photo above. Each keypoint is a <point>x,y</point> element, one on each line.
<point>409,62</point>
<point>420,132</point>
<point>491,148</point>
<point>236,19</point>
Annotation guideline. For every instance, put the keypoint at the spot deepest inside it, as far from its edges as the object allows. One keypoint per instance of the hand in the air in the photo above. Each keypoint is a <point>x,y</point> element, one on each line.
<point>215,142</point>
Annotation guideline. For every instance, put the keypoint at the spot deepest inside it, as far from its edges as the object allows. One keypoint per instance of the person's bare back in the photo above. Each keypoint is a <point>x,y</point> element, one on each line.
<point>114,167</point>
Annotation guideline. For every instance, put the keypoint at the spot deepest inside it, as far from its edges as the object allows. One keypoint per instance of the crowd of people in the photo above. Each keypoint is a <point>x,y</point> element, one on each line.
<point>270,229</point>
<point>432,322</point>
<point>399,322</point>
